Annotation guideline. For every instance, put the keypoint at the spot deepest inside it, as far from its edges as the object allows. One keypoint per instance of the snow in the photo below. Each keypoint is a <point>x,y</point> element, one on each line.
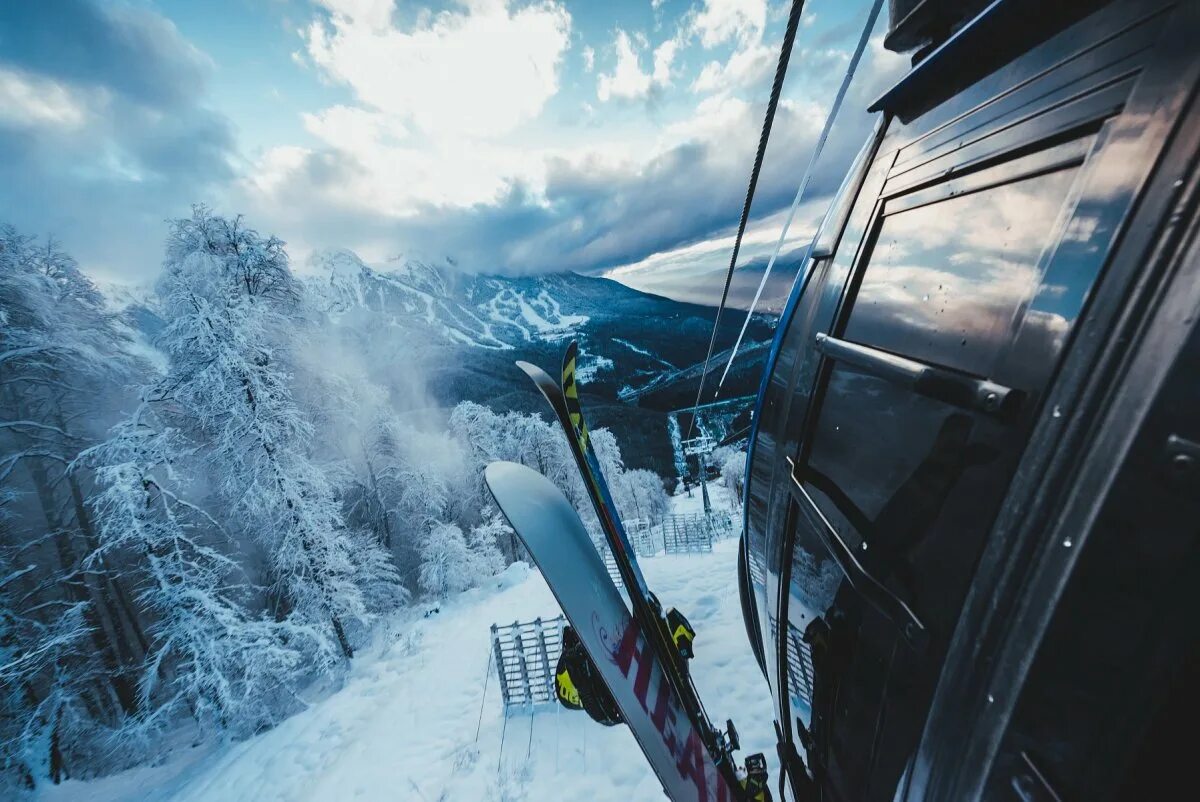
<point>403,723</point>
<point>588,365</point>
<point>677,444</point>
<point>718,495</point>
<point>643,352</point>
<point>540,316</point>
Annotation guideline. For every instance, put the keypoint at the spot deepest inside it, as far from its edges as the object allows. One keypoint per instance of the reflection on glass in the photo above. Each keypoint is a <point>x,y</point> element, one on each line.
<point>815,581</point>
<point>948,280</point>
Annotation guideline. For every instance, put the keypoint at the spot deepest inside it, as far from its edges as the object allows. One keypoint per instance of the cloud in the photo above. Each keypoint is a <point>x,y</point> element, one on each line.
<point>29,101</point>
<point>664,55</point>
<point>595,212</point>
<point>479,71</point>
<point>441,101</point>
<point>104,130</point>
<point>589,59</point>
<point>627,80</point>
<point>374,14</point>
<point>130,51</point>
<point>696,271</point>
<point>720,21</point>
<point>746,67</point>
<point>354,129</point>
<point>744,23</point>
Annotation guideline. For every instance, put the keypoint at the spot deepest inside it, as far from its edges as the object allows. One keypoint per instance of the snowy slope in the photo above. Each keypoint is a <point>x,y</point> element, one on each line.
<point>403,726</point>
<point>649,335</point>
<point>474,311</point>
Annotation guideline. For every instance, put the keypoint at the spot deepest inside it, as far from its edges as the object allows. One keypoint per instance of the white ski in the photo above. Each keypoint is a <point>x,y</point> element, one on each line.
<point>555,536</point>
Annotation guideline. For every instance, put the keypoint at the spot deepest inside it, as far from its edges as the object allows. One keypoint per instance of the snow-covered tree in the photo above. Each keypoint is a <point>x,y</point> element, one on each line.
<point>209,657</point>
<point>63,359</point>
<point>640,493</point>
<point>488,436</point>
<point>484,540</point>
<point>228,292</point>
<point>733,470</point>
<point>447,565</point>
<point>41,688</point>
<point>451,562</point>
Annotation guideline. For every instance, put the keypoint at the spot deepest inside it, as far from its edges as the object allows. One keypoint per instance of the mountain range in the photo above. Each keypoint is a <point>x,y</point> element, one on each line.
<point>433,336</point>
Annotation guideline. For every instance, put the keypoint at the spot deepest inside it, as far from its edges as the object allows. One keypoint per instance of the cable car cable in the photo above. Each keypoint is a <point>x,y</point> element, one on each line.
<point>816,154</point>
<point>785,54</point>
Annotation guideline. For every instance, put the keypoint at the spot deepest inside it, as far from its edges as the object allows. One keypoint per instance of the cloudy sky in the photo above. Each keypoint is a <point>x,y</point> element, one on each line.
<point>507,136</point>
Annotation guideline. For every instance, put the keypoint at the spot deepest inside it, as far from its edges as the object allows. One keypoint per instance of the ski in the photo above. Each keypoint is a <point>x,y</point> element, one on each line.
<point>614,532</point>
<point>646,609</point>
<point>594,475</point>
<point>569,385</point>
<point>618,643</point>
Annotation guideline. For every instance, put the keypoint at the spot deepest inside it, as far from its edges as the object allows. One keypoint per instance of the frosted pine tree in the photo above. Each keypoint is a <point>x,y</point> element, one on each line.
<point>228,292</point>
<point>62,359</point>
<point>209,657</point>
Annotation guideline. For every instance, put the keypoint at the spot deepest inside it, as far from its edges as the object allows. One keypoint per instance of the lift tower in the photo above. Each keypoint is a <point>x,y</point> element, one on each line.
<point>701,447</point>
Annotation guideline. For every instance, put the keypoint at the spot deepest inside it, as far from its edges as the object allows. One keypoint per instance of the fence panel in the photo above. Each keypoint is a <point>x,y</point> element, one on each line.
<point>687,534</point>
<point>799,660</point>
<point>526,654</point>
<point>643,537</point>
<point>610,563</point>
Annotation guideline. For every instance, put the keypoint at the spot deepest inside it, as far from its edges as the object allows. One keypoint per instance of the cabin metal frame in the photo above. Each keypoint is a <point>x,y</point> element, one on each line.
<point>1094,107</point>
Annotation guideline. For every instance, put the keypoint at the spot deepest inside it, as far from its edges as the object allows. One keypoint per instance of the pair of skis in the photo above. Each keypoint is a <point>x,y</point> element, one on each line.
<point>652,632</point>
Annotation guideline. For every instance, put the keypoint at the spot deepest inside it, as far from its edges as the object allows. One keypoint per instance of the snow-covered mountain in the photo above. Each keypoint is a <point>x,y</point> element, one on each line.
<point>481,312</point>
<point>433,335</point>
<point>629,339</point>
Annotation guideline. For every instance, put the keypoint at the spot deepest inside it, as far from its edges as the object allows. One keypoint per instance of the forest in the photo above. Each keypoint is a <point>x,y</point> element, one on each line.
<point>197,526</point>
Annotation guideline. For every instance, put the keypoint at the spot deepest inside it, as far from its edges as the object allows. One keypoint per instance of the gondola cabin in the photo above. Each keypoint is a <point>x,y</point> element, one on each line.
<point>970,565</point>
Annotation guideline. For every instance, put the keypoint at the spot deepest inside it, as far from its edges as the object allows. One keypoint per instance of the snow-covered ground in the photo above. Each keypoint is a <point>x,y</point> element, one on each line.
<point>403,725</point>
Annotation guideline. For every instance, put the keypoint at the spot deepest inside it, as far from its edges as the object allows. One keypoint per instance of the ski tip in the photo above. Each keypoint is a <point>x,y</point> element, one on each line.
<point>529,369</point>
<point>540,378</point>
<point>500,471</point>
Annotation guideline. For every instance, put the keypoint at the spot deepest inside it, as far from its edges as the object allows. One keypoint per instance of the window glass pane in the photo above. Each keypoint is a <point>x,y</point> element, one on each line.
<point>948,280</point>
<point>886,465</point>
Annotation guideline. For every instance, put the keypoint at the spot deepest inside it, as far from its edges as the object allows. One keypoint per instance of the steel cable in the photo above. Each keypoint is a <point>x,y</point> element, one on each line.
<point>812,162</point>
<point>785,54</point>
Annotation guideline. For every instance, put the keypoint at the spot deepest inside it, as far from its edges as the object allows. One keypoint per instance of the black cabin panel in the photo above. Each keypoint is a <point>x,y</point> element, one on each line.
<point>914,373</point>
